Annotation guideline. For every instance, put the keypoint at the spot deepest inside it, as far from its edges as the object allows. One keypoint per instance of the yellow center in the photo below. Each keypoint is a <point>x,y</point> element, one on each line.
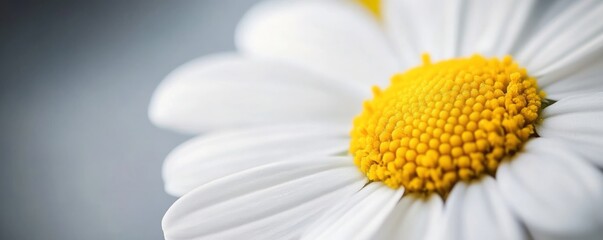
<point>443,122</point>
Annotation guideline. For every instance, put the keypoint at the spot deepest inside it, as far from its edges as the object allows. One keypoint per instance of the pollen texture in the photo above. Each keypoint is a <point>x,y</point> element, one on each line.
<point>445,122</point>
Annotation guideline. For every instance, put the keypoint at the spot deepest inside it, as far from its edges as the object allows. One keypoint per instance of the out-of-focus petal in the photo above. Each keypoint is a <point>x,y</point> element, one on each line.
<point>359,216</point>
<point>229,91</point>
<point>577,122</point>
<point>414,217</point>
<point>338,39</point>
<point>573,37</point>
<point>276,201</point>
<point>554,191</point>
<point>209,157</point>
<point>477,210</point>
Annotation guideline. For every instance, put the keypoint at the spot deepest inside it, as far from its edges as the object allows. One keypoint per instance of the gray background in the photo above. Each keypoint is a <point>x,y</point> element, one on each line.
<point>80,159</point>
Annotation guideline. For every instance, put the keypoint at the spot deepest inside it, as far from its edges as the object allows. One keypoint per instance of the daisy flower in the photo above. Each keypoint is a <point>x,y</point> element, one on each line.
<point>416,120</point>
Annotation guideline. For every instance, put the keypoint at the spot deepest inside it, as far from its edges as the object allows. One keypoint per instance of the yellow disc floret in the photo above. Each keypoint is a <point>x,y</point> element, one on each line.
<point>443,122</point>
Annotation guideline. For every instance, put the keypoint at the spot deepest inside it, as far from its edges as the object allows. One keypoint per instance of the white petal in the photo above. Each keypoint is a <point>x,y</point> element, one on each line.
<point>584,125</point>
<point>477,211</point>
<point>577,122</point>
<point>553,191</point>
<point>448,29</point>
<point>413,218</point>
<point>582,103</point>
<point>359,217</point>
<point>502,24</point>
<point>486,215</point>
<point>574,34</point>
<point>453,210</point>
<point>554,21</point>
<point>272,202</point>
<point>209,157</point>
<point>336,38</point>
<point>584,78</point>
<point>230,91</point>
<point>428,26</point>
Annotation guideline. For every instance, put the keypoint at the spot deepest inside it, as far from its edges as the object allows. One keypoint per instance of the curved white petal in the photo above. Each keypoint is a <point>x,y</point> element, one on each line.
<point>584,78</point>
<point>477,25</point>
<point>478,211</point>
<point>577,121</point>
<point>572,36</point>
<point>553,191</point>
<point>277,201</point>
<point>359,216</point>
<point>504,24</point>
<point>208,157</point>
<point>417,27</point>
<point>414,217</point>
<point>453,210</point>
<point>339,39</point>
<point>485,215</point>
<point>584,125</point>
<point>447,29</point>
<point>229,91</point>
<point>581,103</point>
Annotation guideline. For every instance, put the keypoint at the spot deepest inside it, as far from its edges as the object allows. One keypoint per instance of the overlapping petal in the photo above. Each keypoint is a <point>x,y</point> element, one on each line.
<point>357,217</point>
<point>447,29</point>
<point>553,190</point>
<point>276,201</point>
<point>585,78</point>
<point>228,91</point>
<point>414,217</point>
<point>337,39</point>
<point>576,121</point>
<point>208,157</point>
<point>478,211</point>
<point>573,36</point>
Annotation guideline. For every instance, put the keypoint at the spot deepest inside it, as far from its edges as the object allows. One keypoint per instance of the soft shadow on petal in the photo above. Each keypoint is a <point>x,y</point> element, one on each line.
<point>477,211</point>
<point>226,91</point>
<point>485,214</point>
<point>416,27</point>
<point>577,122</point>
<point>453,210</point>
<point>574,35</point>
<point>583,78</point>
<point>338,39</point>
<point>208,157</point>
<point>276,201</point>
<point>357,217</point>
<point>555,192</point>
<point>447,29</point>
<point>505,25</point>
<point>414,217</point>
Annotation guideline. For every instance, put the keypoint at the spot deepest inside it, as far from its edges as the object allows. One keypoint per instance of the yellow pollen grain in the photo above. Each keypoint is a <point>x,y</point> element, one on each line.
<point>444,122</point>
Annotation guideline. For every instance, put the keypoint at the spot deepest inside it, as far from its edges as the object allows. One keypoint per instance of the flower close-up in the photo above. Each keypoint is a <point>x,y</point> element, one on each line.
<point>392,119</point>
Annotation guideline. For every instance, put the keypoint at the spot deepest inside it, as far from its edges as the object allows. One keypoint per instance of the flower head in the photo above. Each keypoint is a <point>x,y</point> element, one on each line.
<point>328,123</point>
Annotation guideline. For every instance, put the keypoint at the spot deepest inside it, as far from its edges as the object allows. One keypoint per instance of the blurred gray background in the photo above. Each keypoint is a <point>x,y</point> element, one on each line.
<point>80,159</point>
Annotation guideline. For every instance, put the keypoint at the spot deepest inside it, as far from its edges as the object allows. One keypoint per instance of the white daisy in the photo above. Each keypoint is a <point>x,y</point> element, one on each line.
<point>459,146</point>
